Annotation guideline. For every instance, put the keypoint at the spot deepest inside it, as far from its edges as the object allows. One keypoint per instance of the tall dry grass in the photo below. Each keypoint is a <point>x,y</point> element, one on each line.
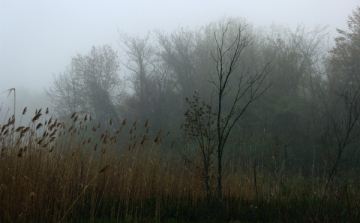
<point>54,172</point>
<point>81,171</point>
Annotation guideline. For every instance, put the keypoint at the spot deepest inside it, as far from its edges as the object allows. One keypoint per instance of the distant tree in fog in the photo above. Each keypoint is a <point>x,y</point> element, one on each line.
<point>139,54</point>
<point>342,96</point>
<point>90,84</point>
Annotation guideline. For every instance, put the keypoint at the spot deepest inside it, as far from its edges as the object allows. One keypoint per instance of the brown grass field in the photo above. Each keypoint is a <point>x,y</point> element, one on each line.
<point>78,171</point>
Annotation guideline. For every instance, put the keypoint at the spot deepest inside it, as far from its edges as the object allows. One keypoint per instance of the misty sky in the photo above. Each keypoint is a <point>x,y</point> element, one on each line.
<point>38,38</point>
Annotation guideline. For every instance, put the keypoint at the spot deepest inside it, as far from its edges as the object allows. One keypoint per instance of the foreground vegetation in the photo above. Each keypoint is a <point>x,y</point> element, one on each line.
<point>78,171</point>
<point>269,140</point>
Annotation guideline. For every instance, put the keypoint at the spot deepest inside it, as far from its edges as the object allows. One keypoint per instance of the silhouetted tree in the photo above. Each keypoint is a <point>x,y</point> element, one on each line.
<point>235,87</point>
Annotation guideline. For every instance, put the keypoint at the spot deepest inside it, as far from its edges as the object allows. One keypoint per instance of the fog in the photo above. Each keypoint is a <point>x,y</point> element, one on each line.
<point>186,111</point>
<point>38,38</point>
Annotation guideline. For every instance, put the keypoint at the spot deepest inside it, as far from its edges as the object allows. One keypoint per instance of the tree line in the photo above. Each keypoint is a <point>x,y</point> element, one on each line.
<point>284,99</point>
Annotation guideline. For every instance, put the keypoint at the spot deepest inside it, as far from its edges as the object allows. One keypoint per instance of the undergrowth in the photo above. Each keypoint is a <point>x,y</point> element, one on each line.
<point>81,171</point>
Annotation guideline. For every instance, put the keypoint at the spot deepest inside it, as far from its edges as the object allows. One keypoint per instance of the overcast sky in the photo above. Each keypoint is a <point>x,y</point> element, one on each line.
<point>38,38</point>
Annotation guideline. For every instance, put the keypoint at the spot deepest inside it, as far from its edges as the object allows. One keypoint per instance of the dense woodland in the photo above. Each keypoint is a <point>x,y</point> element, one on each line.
<point>228,97</point>
<point>306,117</point>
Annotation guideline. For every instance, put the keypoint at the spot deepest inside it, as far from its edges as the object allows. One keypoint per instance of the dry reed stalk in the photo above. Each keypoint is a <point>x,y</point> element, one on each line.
<point>36,117</point>
<point>61,180</point>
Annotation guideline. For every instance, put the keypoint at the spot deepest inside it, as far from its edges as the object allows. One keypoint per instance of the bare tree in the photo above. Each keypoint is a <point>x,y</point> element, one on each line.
<point>199,126</point>
<point>178,53</point>
<point>249,88</point>
<point>343,104</point>
<point>65,94</point>
<point>140,63</point>
<point>235,88</point>
<point>346,126</point>
<point>91,84</point>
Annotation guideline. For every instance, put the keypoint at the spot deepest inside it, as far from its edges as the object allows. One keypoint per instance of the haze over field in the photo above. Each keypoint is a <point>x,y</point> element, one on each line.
<point>38,38</point>
<point>179,111</point>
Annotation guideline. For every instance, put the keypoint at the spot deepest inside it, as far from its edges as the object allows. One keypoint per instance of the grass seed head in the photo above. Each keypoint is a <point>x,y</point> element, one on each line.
<point>36,117</point>
<point>19,128</point>
<point>39,125</point>
<point>73,115</point>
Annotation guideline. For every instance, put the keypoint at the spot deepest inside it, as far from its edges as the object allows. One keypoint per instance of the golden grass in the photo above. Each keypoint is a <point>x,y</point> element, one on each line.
<point>73,171</point>
<point>50,169</point>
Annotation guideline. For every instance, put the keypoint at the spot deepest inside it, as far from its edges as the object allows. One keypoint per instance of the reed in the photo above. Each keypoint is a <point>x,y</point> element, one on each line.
<point>80,171</point>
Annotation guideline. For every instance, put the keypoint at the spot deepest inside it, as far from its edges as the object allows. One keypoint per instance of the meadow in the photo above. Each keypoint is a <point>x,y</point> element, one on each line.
<point>81,171</point>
